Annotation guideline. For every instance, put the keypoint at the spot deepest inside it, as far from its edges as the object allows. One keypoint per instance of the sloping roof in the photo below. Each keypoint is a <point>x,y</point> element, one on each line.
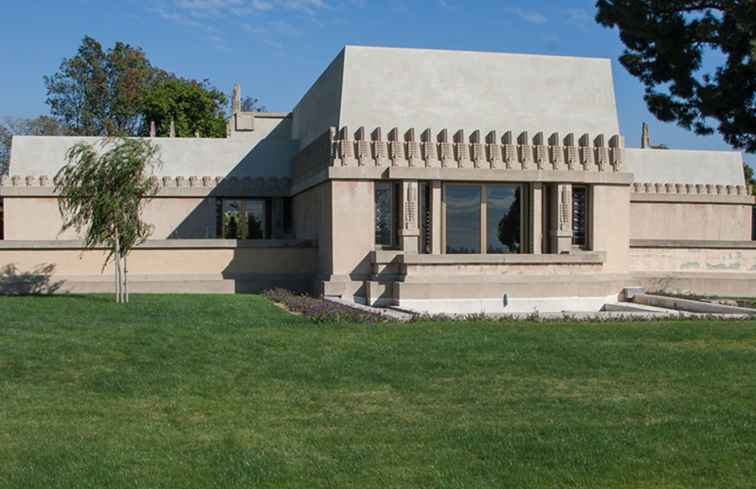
<point>690,167</point>
<point>420,88</point>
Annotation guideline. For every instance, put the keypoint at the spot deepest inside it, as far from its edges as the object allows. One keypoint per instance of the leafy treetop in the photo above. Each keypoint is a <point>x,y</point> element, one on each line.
<point>666,42</point>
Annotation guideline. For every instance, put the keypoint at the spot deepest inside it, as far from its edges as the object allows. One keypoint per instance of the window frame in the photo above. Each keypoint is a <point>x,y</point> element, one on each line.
<point>586,245</point>
<point>395,210</point>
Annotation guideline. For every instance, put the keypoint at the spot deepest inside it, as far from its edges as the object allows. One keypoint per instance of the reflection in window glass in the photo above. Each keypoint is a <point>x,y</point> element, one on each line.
<point>255,219</point>
<point>231,219</point>
<point>503,204</point>
<point>462,219</point>
<point>242,219</point>
<point>384,214</point>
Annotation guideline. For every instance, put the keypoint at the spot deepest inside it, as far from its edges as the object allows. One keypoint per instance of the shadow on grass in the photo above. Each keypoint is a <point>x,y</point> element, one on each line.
<point>36,282</point>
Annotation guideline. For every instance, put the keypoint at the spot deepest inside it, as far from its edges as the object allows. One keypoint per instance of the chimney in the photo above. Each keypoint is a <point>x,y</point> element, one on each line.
<point>236,100</point>
<point>172,133</point>
<point>153,129</point>
<point>645,137</point>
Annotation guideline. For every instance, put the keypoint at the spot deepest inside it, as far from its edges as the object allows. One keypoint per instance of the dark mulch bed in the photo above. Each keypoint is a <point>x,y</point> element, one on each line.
<point>320,310</point>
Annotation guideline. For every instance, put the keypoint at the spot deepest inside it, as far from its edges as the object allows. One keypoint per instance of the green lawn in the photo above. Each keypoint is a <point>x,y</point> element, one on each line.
<point>230,392</point>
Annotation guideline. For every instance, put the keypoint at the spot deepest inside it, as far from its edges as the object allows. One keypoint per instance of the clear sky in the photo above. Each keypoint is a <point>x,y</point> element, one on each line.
<point>277,48</point>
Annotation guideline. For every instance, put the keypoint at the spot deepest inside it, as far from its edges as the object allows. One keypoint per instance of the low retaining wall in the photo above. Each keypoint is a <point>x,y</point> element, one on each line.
<point>724,268</point>
<point>161,266</point>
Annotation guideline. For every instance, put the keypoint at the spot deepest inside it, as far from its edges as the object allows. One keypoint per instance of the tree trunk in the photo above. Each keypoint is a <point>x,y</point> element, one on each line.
<point>117,264</point>
<point>125,279</point>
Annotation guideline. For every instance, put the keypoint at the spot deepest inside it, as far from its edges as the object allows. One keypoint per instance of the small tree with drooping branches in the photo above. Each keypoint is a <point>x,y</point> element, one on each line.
<point>102,195</point>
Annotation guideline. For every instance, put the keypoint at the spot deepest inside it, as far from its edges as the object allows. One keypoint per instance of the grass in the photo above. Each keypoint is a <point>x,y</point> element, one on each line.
<point>231,392</point>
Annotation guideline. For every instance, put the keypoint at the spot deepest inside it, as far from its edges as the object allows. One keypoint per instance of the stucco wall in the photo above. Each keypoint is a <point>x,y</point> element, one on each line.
<point>690,167</point>
<point>693,260</point>
<point>38,218</point>
<point>353,227</point>
<point>266,152</point>
<point>659,220</point>
<point>206,267</point>
<point>611,224</point>
<point>319,107</point>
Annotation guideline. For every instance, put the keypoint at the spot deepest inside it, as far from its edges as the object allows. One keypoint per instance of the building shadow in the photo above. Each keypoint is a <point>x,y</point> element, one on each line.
<point>36,282</point>
<point>268,158</point>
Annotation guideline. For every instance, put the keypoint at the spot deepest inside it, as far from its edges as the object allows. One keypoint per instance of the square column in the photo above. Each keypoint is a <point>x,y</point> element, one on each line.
<point>409,228</point>
<point>561,218</point>
<point>436,217</point>
<point>536,218</point>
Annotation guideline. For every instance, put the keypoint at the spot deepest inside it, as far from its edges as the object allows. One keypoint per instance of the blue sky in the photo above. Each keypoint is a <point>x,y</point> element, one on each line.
<point>277,48</point>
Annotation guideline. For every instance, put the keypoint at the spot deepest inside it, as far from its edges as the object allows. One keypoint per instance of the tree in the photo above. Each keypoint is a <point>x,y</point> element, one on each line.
<point>99,93</point>
<point>195,107</point>
<point>665,45</point>
<point>251,104</point>
<point>5,145</point>
<point>38,126</point>
<point>102,195</point>
<point>749,176</point>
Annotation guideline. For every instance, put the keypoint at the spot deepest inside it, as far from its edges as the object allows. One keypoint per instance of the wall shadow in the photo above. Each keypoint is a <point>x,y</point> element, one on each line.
<point>270,157</point>
<point>36,282</point>
<point>248,281</point>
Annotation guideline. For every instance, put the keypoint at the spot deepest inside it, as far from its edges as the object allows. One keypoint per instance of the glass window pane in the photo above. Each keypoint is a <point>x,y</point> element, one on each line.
<point>255,219</point>
<point>384,213</point>
<point>579,216</point>
<point>231,215</point>
<point>462,219</point>
<point>503,226</point>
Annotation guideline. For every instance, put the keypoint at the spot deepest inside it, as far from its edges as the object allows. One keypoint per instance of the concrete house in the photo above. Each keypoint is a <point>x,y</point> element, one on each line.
<point>438,181</point>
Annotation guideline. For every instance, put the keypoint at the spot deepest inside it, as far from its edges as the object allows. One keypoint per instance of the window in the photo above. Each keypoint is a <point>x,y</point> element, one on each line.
<point>503,219</point>
<point>490,214</point>
<point>243,218</point>
<point>580,216</point>
<point>386,210</point>
<point>463,212</point>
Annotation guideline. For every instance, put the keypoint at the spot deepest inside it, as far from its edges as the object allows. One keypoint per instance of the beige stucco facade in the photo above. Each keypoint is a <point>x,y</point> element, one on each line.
<point>458,192</point>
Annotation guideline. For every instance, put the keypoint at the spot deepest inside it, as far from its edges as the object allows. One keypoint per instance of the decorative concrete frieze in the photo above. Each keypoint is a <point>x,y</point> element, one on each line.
<point>570,152</point>
<point>617,152</point>
<point>509,150</point>
<point>602,152</point>
<point>461,153</point>
<point>379,148</point>
<point>5,181</point>
<point>586,152</point>
<point>539,151</point>
<point>477,151</point>
<point>689,189</point>
<point>341,148</point>
<point>412,148</point>
<point>556,151</point>
<point>494,151</point>
<point>445,150</point>
<point>363,153</point>
<point>524,150</point>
